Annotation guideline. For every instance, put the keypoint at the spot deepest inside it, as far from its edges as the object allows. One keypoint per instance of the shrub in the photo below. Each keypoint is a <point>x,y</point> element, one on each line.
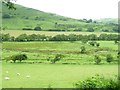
<point>83,50</point>
<point>97,44</point>
<point>118,54</point>
<point>90,30</point>
<point>109,58</point>
<point>92,43</point>
<point>58,57</point>
<point>98,81</point>
<point>97,59</point>
<point>115,41</point>
<point>27,28</point>
<point>37,28</point>
<point>19,57</point>
<point>7,16</point>
<point>84,41</point>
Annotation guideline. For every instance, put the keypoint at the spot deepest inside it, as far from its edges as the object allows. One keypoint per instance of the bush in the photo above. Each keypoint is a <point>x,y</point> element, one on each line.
<point>6,16</point>
<point>97,44</point>
<point>97,59</point>
<point>109,58</point>
<point>118,54</point>
<point>58,57</point>
<point>83,50</point>
<point>37,28</point>
<point>98,81</point>
<point>27,28</point>
<point>90,30</point>
<point>84,41</point>
<point>92,43</point>
<point>116,41</point>
<point>19,57</point>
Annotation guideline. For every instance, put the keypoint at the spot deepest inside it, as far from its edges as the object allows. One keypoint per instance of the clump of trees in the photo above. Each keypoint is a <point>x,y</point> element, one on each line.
<point>57,58</point>
<point>98,81</point>
<point>19,57</point>
<point>97,59</point>
<point>37,28</point>
<point>83,50</point>
<point>109,58</point>
<point>90,30</point>
<point>93,43</point>
<point>71,37</point>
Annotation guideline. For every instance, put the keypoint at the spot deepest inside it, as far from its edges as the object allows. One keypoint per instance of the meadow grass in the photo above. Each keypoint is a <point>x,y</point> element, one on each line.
<point>40,51</point>
<point>45,74</point>
<point>49,33</point>
<point>56,75</point>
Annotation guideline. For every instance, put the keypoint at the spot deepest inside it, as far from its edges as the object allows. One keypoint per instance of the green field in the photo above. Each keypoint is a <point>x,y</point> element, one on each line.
<point>72,68</point>
<point>16,33</point>
<point>40,51</point>
<point>56,75</point>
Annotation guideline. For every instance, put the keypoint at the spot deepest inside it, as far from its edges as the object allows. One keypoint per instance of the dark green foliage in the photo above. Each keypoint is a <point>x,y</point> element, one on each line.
<point>90,30</point>
<point>62,37</point>
<point>105,30</point>
<point>116,41</point>
<point>109,58</point>
<point>6,16</point>
<point>27,28</point>
<point>84,41</point>
<point>57,57</point>
<point>37,28</point>
<point>83,50</point>
<point>92,37</point>
<point>22,37</point>
<point>88,21</point>
<point>5,37</point>
<point>108,37</point>
<point>98,81</point>
<point>78,30</point>
<point>92,43</point>
<point>19,57</point>
<point>97,44</point>
<point>97,59</point>
<point>9,4</point>
<point>118,55</point>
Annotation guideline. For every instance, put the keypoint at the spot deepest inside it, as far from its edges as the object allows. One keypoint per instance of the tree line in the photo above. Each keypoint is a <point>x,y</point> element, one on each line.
<point>62,37</point>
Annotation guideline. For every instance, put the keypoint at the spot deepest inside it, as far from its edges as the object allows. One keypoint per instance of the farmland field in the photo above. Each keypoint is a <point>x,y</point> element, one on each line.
<point>56,75</point>
<point>16,33</point>
<point>73,67</point>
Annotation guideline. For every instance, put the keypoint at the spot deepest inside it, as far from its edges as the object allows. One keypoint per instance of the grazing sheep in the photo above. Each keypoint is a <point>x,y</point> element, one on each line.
<point>7,78</point>
<point>18,74</point>
<point>27,76</point>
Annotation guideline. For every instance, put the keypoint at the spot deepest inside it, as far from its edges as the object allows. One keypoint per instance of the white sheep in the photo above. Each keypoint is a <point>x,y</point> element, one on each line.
<point>18,74</point>
<point>27,76</point>
<point>7,78</point>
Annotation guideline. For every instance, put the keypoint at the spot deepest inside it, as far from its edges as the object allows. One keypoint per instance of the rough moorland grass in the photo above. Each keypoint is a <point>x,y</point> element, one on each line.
<point>56,75</point>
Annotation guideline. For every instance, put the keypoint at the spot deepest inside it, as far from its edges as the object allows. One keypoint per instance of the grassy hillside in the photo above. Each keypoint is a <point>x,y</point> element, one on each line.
<point>24,17</point>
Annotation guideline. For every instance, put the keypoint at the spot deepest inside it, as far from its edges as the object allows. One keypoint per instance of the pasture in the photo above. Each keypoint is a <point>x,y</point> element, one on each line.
<point>73,67</point>
<point>51,75</point>
<point>16,33</point>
